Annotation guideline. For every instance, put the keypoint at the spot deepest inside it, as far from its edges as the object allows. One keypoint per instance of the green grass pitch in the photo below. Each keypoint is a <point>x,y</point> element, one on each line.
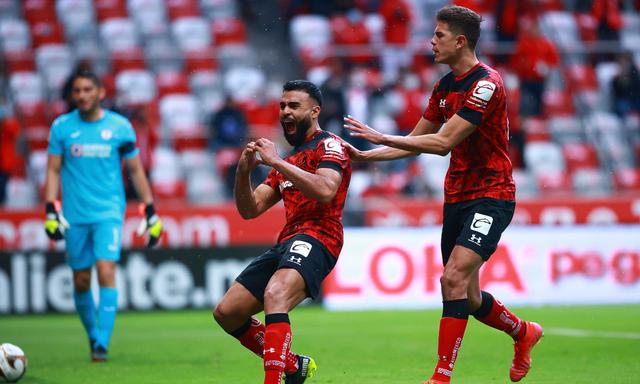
<point>581,345</point>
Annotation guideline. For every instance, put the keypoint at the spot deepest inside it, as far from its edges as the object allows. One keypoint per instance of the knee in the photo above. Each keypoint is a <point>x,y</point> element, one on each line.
<point>82,283</point>
<point>221,313</point>
<point>452,280</point>
<point>274,294</point>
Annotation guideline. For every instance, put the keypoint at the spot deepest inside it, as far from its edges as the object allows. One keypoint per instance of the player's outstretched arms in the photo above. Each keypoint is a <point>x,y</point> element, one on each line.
<point>384,153</point>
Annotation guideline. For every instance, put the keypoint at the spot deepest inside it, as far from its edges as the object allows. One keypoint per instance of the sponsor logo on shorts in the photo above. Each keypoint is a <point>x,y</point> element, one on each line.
<point>475,239</point>
<point>443,371</point>
<point>301,247</point>
<point>481,223</point>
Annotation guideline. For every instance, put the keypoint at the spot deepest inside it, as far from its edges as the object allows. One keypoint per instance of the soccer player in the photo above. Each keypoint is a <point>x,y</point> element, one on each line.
<point>312,181</point>
<point>86,147</point>
<point>467,116</point>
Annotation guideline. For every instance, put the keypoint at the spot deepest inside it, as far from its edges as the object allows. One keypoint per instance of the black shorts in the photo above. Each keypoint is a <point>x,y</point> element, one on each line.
<point>476,225</point>
<point>303,253</point>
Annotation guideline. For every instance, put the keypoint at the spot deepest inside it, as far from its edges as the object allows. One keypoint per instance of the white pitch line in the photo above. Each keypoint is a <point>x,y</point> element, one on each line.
<point>584,333</point>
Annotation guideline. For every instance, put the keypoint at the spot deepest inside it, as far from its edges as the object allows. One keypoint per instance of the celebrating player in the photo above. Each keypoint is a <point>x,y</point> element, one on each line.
<point>467,116</point>
<point>86,146</point>
<point>313,183</point>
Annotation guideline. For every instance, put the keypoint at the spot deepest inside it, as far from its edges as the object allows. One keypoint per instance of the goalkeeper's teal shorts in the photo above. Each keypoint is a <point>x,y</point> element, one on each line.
<point>87,243</point>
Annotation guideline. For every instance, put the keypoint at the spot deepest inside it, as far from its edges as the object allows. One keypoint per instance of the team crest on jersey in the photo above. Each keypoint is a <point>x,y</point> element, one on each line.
<point>285,184</point>
<point>484,90</point>
<point>106,134</point>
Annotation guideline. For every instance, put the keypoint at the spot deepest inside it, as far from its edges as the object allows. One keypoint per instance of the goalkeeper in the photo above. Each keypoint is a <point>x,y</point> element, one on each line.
<point>85,150</point>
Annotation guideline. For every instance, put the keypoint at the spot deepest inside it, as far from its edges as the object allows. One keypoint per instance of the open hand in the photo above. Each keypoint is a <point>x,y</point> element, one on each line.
<point>360,129</point>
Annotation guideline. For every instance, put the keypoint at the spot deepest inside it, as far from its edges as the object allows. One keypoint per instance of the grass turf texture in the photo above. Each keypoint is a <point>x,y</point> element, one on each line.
<point>350,347</point>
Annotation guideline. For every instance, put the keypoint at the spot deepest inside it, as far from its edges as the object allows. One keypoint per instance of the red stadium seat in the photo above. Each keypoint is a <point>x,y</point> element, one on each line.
<point>536,129</point>
<point>171,82</point>
<point>182,8</point>
<point>627,179</point>
<point>554,182</point>
<point>558,103</point>
<point>200,60</point>
<point>580,155</point>
<point>127,59</point>
<point>19,61</point>
<point>32,114</point>
<point>229,31</point>
<point>587,25</point>
<point>110,9</point>
<point>39,10</point>
<point>581,77</point>
<point>43,32</point>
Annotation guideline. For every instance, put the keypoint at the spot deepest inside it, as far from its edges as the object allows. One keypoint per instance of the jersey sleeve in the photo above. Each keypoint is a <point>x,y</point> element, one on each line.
<point>332,155</point>
<point>128,147</point>
<point>479,98</point>
<point>432,113</point>
<point>56,146</point>
<point>272,180</point>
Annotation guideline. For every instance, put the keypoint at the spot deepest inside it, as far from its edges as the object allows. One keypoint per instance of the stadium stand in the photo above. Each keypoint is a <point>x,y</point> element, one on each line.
<point>181,58</point>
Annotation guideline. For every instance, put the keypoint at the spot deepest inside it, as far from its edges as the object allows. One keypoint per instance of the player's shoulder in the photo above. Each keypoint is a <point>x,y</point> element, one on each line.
<point>116,118</point>
<point>65,119</point>
<point>488,73</point>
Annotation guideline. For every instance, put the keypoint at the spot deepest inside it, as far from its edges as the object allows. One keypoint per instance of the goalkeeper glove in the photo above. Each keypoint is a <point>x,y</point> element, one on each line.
<point>151,223</point>
<point>54,224</point>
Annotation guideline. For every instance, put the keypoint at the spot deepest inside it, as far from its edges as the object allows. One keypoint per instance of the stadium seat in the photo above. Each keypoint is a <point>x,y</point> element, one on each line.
<point>38,10</point>
<point>543,157</point>
<point>243,83</point>
<point>55,62</point>
<point>591,182</point>
<point>587,26</point>
<point>123,60</point>
<point>182,121</point>
<point>310,31</point>
<point>162,55</point>
<point>110,9</point>
<point>627,179</point>
<point>43,32</point>
<point>76,16</point>
<point>21,194</point>
<point>200,60</point>
<point>135,87</point>
<point>182,8</point>
<point>229,31</point>
<point>19,61</point>
<point>526,184</point>
<point>561,27</point>
<point>536,129</point>
<point>204,187</point>
<point>557,103</point>
<point>554,182</point>
<point>171,82</point>
<point>204,80</point>
<point>191,33</point>
<point>37,166</point>
<point>166,175</point>
<point>10,9</point>
<point>580,155</point>
<point>32,114</point>
<point>566,129</point>
<point>148,15</point>
<point>119,34</point>
<point>26,87</point>
<point>581,77</point>
<point>219,9</point>
<point>14,35</point>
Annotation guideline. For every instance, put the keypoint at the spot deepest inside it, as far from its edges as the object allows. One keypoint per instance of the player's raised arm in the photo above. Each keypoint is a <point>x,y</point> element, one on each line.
<point>249,202</point>
<point>321,186</point>
<point>385,153</point>
<point>440,143</point>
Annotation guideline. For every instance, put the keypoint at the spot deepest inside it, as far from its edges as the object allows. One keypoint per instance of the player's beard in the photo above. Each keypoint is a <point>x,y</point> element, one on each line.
<point>300,134</point>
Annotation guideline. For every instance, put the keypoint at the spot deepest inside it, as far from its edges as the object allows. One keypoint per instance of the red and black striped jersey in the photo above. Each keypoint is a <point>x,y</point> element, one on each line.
<point>322,221</point>
<point>480,164</point>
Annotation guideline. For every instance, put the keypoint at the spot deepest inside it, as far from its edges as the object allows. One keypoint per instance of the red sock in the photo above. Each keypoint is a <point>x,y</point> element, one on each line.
<point>277,342</point>
<point>449,342</point>
<point>494,314</point>
<point>251,336</point>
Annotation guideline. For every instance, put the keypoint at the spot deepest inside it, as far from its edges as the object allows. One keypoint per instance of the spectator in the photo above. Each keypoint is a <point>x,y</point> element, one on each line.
<point>534,57</point>
<point>10,160</point>
<point>396,53</point>
<point>625,87</point>
<point>609,22</point>
<point>228,127</point>
<point>334,107</point>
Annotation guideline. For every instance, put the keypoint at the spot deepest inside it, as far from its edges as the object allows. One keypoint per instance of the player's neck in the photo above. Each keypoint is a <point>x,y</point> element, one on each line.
<point>92,116</point>
<point>464,64</point>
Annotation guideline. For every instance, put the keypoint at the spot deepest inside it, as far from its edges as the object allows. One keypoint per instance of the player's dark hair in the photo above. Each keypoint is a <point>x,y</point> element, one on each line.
<point>305,86</point>
<point>462,21</point>
<point>86,74</point>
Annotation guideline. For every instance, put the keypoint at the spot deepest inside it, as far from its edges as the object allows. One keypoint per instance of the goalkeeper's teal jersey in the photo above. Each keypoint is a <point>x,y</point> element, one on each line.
<point>91,176</point>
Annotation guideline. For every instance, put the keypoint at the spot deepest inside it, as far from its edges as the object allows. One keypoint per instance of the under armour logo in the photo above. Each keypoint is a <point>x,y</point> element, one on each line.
<point>271,350</point>
<point>475,239</point>
<point>296,260</point>
<point>443,103</point>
